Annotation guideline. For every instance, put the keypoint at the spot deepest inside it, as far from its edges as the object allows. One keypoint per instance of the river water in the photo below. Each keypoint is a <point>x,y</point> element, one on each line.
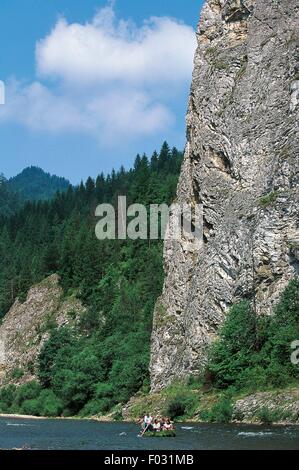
<point>92,435</point>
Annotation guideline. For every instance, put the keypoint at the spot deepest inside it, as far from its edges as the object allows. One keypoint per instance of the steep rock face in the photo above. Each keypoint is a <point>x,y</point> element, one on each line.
<point>241,163</point>
<point>26,327</point>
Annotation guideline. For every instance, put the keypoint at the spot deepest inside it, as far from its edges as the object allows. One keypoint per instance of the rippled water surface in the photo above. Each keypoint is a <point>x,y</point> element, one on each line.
<point>72,434</point>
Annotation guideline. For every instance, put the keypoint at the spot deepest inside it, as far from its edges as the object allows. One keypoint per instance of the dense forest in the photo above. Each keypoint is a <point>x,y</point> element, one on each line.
<point>9,200</point>
<point>105,360</point>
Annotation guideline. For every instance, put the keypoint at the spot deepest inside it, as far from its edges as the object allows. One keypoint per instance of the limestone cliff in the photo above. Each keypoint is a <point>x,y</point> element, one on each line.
<point>26,327</point>
<point>241,163</point>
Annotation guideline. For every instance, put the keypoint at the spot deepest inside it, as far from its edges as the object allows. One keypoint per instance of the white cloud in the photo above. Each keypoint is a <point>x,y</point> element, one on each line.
<point>128,114</point>
<point>113,78</point>
<point>38,108</point>
<point>161,50</point>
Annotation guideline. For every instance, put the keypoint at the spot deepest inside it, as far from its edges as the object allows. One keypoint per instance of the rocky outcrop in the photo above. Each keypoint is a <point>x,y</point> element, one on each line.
<point>241,163</point>
<point>278,406</point>
<point>26,327</point>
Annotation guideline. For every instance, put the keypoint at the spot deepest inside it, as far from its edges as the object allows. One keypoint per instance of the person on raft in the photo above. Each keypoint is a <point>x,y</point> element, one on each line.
<point>156,425</point>
<point>168,425</point>
<point>147,422</point>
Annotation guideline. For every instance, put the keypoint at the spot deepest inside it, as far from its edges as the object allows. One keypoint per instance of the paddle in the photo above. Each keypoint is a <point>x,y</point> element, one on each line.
<point>144,431</point>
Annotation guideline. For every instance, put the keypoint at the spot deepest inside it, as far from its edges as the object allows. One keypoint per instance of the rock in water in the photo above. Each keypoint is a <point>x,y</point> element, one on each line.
<point>241,163</point>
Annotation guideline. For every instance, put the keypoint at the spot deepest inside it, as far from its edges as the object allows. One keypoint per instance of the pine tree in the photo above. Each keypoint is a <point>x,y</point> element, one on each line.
<point>154,161</point>
<point>164,157</point>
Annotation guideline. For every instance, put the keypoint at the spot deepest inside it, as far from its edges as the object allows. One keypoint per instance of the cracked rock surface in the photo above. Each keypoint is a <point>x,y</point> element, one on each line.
<point>27,326</point>
<point>241,162</point>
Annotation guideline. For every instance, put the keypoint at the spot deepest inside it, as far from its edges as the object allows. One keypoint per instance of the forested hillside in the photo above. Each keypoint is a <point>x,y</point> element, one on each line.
<point>32,184</point>
<point>35,184</point>
<point>105,360</point>
<point>9,200</point>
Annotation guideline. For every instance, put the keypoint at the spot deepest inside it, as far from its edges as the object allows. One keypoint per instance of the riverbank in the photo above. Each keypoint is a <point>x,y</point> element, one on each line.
<point>279,407</point>
<point>100,419</point>
<point>42,418</point>
<point>16,416</point>
<point>198,406</point>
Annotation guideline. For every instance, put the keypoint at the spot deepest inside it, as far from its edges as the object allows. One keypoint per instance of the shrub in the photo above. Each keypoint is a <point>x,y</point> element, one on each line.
<point>176,408</point>
<point>118,415</point>
<point>105,405</point>
<point>3,407</point>
<point>287,311</point>
<point>196,381</point>
<point>232,353</point>
<point>7,397</point>
<point>268,199</point>
<point>267,416</point>
<point>90,409</point>
<point>221,412</point>
<point>30,407</point>
<point>17,373</point>
<point>28,391</point>
<point>180,406</point>
<point>277,375</point>
<point>49,404</point>
<point>96,407</point>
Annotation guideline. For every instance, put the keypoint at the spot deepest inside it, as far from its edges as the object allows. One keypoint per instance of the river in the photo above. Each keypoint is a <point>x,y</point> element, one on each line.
<point>92,435</point>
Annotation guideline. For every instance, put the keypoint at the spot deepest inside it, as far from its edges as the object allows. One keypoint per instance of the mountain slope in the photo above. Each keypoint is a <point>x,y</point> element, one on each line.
<point>35,184</point>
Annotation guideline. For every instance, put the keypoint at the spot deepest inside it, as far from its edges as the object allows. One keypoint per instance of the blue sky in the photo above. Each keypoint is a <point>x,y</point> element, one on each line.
<point>89,84</point>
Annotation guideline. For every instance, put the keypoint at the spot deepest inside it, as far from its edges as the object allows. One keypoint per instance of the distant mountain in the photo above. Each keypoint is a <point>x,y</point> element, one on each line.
<point>35,184</point>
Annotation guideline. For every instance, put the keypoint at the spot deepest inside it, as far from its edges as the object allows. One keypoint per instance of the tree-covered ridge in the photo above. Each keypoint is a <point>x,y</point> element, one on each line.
<point>105,360</point>
<point>35,184</point>
<point>9,200</point>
